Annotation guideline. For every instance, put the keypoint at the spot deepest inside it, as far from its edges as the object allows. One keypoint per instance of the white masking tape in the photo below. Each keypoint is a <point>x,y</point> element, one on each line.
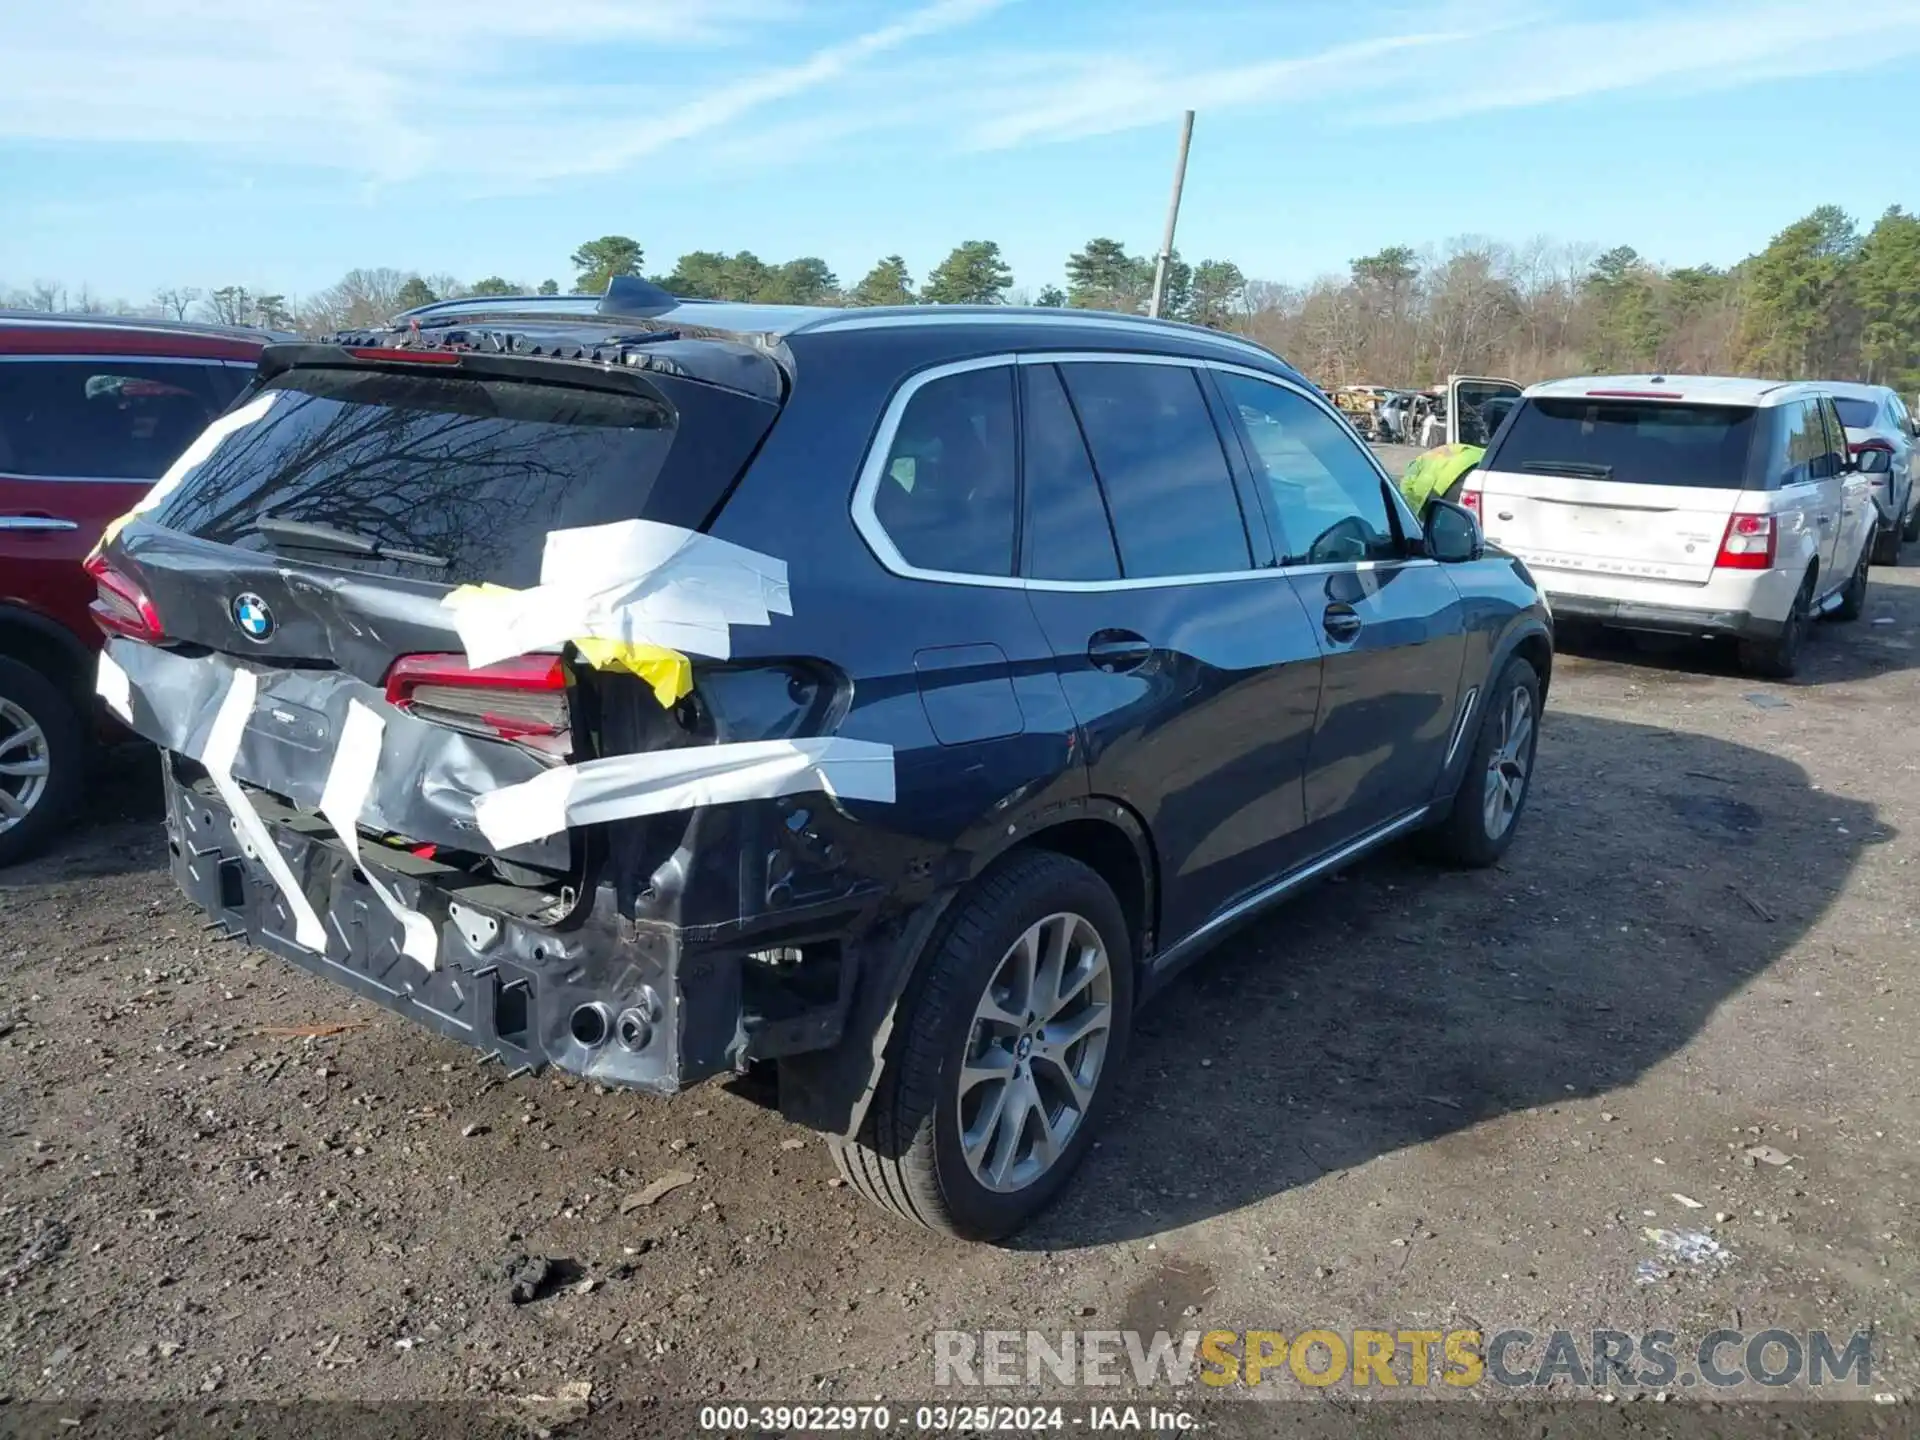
<point>113,686</point>
<point>623,786</point>
<point>223,744</point>
<point>348,782</point>
<point>638,582</point>
<point>195,455</point>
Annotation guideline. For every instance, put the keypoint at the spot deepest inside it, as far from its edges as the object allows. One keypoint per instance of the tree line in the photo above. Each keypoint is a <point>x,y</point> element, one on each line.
<point>1822,299</point>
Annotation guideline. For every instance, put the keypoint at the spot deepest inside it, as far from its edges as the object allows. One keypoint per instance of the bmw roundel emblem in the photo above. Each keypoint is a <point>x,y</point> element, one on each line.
<point>253,617</point>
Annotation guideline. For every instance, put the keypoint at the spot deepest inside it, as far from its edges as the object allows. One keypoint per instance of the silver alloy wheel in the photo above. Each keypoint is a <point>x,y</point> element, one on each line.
<point>1034,1052</point>
<point>24,764</point>
<point>1507,766</point>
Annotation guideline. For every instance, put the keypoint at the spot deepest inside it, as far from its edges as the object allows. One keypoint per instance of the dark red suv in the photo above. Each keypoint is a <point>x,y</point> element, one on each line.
<point>92,412</point>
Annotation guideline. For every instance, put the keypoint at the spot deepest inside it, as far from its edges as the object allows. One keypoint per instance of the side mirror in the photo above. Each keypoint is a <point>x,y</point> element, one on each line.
<point>1453,532</point>
<point>1876,462</point>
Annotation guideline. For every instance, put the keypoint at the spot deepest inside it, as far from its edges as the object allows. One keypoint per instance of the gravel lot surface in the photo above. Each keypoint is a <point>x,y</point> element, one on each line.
<point>1412,1099</point>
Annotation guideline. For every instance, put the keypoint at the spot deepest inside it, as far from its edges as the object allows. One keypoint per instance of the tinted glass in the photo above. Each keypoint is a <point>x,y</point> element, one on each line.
<point>1324,492</point>
<point>946,497</point>
<point>1804,442</point>
<point>1483,405</point>
<point>106,419</point>
<point>475,471</point>
<point>1857,414</point>
<point>1160,461</point>
<point>1067,535</point>
<point>1637,442</point>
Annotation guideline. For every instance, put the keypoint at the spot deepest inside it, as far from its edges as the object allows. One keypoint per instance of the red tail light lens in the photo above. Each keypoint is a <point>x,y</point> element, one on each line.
<point>1882,445</point>
<point>1470,500</point>
<point>1748,544</point>
<point>523,700</point>
<point>120,606</point>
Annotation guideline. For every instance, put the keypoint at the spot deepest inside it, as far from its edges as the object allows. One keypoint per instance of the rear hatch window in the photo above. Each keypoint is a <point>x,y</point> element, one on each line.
<point>1636,442</point>
<point>458,479</point>
<point>1629,489</point>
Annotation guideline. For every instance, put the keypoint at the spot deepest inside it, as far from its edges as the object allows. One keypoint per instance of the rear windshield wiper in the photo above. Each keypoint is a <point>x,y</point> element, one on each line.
<point>1567,467</point>
<point>309,536</point>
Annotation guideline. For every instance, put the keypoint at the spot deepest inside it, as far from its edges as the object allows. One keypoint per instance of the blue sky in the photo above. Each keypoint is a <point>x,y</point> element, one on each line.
<point>278,143</point>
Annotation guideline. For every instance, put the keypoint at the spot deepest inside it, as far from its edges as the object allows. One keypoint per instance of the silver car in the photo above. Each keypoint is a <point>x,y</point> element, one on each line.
<point>1878,419</point>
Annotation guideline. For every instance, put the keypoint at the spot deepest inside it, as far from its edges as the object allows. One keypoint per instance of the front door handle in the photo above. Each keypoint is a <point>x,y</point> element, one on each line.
<point>1118,651</point>
<point>37,524</point>
<point>1341,622</point>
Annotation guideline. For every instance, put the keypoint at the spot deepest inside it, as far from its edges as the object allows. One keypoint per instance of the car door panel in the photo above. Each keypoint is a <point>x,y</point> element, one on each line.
<point>1390,625</point>
<point>1193,674</point>
<point>1207,736</point>
<point>1390,683</point>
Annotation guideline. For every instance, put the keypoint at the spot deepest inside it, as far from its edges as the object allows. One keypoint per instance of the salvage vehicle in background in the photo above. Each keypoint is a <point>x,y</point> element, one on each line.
<point>92,412</point>
<point>1877,419</point>
<point>1692,506</point>
<point>1032,653</point>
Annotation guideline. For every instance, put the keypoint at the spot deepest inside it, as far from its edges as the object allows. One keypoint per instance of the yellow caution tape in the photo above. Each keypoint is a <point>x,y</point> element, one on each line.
<point>668,672</point>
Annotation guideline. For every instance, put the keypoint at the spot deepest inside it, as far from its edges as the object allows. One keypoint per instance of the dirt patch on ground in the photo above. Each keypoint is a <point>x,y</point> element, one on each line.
<point>1412,1099</point>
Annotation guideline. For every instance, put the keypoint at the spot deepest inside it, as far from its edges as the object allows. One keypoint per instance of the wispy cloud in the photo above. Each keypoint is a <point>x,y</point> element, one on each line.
<point>1464,60</point>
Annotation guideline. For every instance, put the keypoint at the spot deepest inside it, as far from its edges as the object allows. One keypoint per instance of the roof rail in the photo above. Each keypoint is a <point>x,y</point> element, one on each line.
<point>139,322</point>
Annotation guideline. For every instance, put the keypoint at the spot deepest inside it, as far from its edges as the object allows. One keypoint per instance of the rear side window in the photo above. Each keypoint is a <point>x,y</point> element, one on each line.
<point>1805,447</point>
<point>106,419</point>
<point>946,494</point>
<point>1637,442</point>
<point>1857,414</point>
<point>1067,535</point>
<point>475,471</point>
<point>1165,475</point>
<point>1325,494</point>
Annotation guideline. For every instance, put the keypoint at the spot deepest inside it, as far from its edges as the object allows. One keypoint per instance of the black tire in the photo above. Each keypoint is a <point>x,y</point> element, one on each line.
<point>1466,837</point>
<point>907,1157</point>
<point>1853,599</point>
<point>1886,545</point>
<point>1910,530</point>
<point>67,753</point>
<point>1778,658</point>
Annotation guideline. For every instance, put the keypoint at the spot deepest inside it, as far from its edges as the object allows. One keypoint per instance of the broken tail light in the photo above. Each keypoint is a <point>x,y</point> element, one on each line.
<point>1748,544</point>
<point>523,700</point>
<point>120,606</point>
<point>1470,499</point>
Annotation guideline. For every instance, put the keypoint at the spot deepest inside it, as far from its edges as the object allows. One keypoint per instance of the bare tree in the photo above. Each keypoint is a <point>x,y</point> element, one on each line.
<point>176,300</point>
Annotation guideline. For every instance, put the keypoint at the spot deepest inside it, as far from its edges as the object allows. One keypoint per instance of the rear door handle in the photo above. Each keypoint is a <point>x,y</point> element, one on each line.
<point>1341,623</point>
<point>1118,651</point>
<point>37,524</point>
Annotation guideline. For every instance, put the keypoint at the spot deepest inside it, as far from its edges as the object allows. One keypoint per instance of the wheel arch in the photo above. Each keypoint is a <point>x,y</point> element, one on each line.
<point>47,646</point>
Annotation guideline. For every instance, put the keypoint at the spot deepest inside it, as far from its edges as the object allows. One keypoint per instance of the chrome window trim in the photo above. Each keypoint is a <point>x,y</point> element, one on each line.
<point>46,359</point>
<point>873,470</point>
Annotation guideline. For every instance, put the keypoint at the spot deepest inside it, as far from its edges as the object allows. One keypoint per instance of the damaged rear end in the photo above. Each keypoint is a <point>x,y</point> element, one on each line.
<point>437,649</point>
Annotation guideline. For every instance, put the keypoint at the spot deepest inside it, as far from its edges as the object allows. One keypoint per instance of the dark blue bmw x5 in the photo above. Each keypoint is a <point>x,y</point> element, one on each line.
<point>657,688</point>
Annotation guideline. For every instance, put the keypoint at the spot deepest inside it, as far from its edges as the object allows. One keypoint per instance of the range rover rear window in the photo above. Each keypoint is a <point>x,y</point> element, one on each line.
<point>1636,442</point>
<point>470,473</point>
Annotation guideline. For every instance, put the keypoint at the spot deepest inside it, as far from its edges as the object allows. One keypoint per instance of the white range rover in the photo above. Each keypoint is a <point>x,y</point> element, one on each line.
<point>1693,506</point>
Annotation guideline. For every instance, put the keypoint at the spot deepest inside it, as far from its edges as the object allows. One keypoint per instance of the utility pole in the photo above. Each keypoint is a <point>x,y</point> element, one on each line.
<point>1173,217</point>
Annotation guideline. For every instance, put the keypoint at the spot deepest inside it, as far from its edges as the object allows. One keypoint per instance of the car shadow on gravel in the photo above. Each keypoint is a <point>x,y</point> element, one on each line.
<point>118,830</point>
<point>1656,873</point>
<point>1880,642</point>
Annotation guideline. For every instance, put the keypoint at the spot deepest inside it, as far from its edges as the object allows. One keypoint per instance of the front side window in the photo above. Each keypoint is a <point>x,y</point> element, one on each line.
<point>106,419</point>
<point>946,493</point>
<point>1325,494</point>
<point>1161,464</point>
